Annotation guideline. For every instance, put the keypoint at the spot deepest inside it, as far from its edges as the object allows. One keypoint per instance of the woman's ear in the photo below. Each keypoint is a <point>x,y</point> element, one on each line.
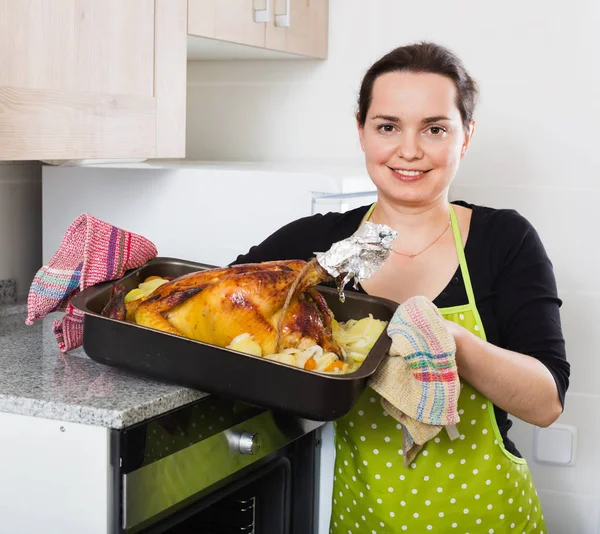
<point>468,137</point>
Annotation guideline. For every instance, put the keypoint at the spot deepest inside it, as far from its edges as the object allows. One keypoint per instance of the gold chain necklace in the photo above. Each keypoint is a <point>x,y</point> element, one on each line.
<point>411,256</point>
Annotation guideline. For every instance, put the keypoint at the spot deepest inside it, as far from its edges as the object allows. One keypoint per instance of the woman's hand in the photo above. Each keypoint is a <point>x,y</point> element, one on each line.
<point>516,383</point>
<point>457,331</point>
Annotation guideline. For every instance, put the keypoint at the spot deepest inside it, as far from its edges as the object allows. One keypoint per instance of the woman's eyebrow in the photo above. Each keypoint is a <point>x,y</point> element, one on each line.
<point>437,118</point>
<point>428,120</point>
<point>389,118</point>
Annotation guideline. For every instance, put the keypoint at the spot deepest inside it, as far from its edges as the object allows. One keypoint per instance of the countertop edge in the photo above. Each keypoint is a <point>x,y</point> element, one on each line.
<point>114,419</point>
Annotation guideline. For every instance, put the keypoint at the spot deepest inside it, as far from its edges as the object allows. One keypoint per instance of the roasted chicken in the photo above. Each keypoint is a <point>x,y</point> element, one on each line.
<point>275,302</point>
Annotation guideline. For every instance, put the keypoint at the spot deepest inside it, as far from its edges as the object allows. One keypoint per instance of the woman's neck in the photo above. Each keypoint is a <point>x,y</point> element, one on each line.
<point>411,218</point>
<point>416,226</point>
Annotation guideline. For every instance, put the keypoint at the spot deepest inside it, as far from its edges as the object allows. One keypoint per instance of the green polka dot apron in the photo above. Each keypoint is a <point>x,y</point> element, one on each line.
<point>471,484</point>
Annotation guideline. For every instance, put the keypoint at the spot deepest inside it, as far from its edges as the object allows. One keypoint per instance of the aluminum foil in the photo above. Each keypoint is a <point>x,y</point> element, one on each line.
<point>358,256</point>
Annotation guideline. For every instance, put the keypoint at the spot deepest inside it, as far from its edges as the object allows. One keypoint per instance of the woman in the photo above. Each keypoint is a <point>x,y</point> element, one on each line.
<point>487,272</point>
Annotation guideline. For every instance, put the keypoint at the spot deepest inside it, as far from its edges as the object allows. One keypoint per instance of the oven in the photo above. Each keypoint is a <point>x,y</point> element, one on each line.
<point>216,466</point>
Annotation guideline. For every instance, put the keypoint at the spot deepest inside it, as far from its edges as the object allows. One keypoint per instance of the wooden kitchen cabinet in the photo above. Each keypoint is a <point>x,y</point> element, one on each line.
<point>299,27</point>
<point>106,79</point>
<point>89,79</point>
<point>233,21</point>
<point>296,27</point>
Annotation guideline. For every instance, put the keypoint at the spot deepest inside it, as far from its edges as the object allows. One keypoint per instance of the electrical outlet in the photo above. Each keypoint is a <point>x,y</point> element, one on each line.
<point>555,445</point>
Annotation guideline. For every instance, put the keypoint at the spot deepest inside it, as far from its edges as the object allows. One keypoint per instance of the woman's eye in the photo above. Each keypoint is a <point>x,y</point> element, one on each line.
<point>436,130</point>
<point>387,128</point>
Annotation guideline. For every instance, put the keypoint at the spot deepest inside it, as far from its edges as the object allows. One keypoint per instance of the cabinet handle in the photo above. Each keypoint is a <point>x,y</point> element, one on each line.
<point>263,15</point>
<point>283,21</point>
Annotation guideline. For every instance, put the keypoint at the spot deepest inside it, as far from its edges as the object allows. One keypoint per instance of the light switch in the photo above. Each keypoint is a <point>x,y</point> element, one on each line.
<point>555,445</point>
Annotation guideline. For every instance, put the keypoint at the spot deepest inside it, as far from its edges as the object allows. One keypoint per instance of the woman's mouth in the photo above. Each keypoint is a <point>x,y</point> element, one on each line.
<point>408,175</point>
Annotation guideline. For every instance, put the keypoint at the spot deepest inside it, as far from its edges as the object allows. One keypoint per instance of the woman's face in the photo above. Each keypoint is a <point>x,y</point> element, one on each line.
<point>413,137</point>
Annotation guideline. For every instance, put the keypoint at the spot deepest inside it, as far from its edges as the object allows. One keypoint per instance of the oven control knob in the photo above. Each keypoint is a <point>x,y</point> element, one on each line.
<point>249,443</point>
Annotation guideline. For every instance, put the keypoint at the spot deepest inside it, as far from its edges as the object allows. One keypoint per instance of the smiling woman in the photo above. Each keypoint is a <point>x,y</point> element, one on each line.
<point>415,123</point>
<point>494,285</point>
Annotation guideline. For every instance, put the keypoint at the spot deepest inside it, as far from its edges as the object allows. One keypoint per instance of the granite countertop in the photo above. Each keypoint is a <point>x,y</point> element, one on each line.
<point>37,380</point>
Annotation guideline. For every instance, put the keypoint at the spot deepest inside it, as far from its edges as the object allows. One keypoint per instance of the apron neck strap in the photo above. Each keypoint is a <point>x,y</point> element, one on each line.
<point>460,252</point>
<point>369,213</point>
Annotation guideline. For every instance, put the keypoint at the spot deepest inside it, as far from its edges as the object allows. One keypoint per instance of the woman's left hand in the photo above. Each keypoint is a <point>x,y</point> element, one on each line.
<point>457,331</point>
<point>516,383</point>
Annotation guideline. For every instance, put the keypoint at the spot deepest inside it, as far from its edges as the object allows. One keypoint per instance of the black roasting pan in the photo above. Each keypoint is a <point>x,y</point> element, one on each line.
<point>231,374</point>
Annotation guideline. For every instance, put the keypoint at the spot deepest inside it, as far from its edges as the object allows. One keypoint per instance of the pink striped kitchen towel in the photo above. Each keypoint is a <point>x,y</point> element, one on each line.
<point>92,251</point>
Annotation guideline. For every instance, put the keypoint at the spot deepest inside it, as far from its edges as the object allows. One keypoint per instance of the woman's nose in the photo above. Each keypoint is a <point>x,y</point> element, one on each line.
<point>409,147</point>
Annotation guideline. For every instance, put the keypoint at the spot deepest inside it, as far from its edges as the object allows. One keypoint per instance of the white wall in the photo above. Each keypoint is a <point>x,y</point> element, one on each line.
<point>202,212</point>
<point>534,150</point>
<point>20,223</point>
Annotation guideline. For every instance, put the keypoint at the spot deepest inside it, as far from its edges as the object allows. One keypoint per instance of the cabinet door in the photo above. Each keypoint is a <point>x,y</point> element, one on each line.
<point>88,79</point>
<point>234,21</point>
<point>299,27</point>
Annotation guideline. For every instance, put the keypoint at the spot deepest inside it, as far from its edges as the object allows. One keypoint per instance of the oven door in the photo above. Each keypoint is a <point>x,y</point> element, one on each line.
<point>262,505</point>
<point>219,467</point>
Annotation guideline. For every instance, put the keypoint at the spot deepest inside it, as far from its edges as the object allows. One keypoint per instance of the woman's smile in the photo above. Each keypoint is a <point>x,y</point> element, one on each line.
<point>408,176</point>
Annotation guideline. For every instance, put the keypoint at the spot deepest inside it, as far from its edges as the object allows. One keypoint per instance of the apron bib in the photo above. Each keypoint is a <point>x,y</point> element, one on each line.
<point>469,485</point>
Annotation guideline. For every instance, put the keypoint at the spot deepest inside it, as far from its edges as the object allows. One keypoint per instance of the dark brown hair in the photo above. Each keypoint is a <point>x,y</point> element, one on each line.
<point>422,57</point>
